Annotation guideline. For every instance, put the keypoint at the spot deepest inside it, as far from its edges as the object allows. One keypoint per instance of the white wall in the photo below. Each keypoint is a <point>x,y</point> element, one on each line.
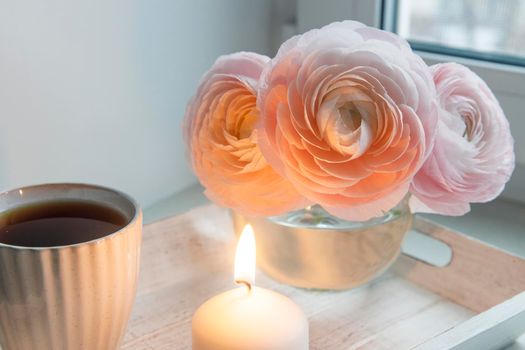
<point>94,90</point>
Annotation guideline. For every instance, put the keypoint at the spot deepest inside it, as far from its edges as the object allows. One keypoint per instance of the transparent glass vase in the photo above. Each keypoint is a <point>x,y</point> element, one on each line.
<point>310,248</point>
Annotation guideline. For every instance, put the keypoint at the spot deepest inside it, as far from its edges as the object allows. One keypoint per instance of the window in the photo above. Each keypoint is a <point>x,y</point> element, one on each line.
<point>481,29</point>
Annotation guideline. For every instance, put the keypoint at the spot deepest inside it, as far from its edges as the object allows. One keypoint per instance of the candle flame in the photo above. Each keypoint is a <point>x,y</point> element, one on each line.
<point>245,258</point>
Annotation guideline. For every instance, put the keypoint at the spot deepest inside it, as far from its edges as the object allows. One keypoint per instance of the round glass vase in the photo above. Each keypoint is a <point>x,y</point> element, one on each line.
<point>310,248</point>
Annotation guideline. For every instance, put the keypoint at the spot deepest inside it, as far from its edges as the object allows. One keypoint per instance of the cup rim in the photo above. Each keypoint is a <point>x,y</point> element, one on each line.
<point>136,215</point>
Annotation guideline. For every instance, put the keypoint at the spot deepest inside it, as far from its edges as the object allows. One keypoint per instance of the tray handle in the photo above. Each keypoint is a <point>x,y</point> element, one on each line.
<point>478,275</point>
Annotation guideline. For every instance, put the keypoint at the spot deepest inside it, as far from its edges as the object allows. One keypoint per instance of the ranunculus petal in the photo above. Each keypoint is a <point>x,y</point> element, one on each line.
<point>443,208</point>
<point>473,156</point>
<point>348,116</point>
<point>370,209</point>
<point>222,142</point>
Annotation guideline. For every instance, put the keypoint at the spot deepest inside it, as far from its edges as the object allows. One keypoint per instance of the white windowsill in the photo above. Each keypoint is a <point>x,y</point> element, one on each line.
<point>500,223</point>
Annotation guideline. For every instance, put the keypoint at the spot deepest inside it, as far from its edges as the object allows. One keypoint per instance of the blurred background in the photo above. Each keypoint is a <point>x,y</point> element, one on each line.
<point>95,91</point>
<point>493,29</point>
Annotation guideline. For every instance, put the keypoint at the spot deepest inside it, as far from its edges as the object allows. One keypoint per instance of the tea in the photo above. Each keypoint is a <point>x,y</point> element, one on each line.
<point>58,223</point>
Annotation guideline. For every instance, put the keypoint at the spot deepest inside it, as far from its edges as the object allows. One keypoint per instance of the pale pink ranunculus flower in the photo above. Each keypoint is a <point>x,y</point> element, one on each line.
<point>473,156</point>
<point>222,143</point>
<point>348,115</point>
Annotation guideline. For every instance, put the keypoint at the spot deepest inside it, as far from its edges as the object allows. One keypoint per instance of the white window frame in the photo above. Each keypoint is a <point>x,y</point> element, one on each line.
<point>507,81</point>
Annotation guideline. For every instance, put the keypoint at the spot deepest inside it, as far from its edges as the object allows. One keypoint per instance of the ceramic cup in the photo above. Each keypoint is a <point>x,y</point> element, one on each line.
<point>69,297</point>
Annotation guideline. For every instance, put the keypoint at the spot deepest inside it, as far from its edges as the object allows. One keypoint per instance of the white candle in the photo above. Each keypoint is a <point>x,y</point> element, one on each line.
<point>249,317</point>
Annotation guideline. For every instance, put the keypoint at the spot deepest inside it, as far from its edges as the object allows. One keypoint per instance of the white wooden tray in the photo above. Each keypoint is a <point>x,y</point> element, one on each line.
<point>475,302</point>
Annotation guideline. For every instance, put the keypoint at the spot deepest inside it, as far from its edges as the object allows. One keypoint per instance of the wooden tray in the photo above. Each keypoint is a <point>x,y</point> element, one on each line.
<point>475,302</point>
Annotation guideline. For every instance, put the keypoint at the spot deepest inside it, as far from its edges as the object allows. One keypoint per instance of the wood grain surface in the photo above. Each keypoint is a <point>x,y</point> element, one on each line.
<point>188,258</point>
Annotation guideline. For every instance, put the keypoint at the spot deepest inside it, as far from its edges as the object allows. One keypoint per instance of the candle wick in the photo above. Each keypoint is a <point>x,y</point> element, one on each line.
<point>245,283</point>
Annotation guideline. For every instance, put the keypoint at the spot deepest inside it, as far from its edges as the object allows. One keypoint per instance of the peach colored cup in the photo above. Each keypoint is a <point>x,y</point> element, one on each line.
<point>69,297</point>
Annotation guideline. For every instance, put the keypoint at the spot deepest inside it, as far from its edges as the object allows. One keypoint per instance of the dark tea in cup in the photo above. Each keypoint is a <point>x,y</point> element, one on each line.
<point>58,223</point>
